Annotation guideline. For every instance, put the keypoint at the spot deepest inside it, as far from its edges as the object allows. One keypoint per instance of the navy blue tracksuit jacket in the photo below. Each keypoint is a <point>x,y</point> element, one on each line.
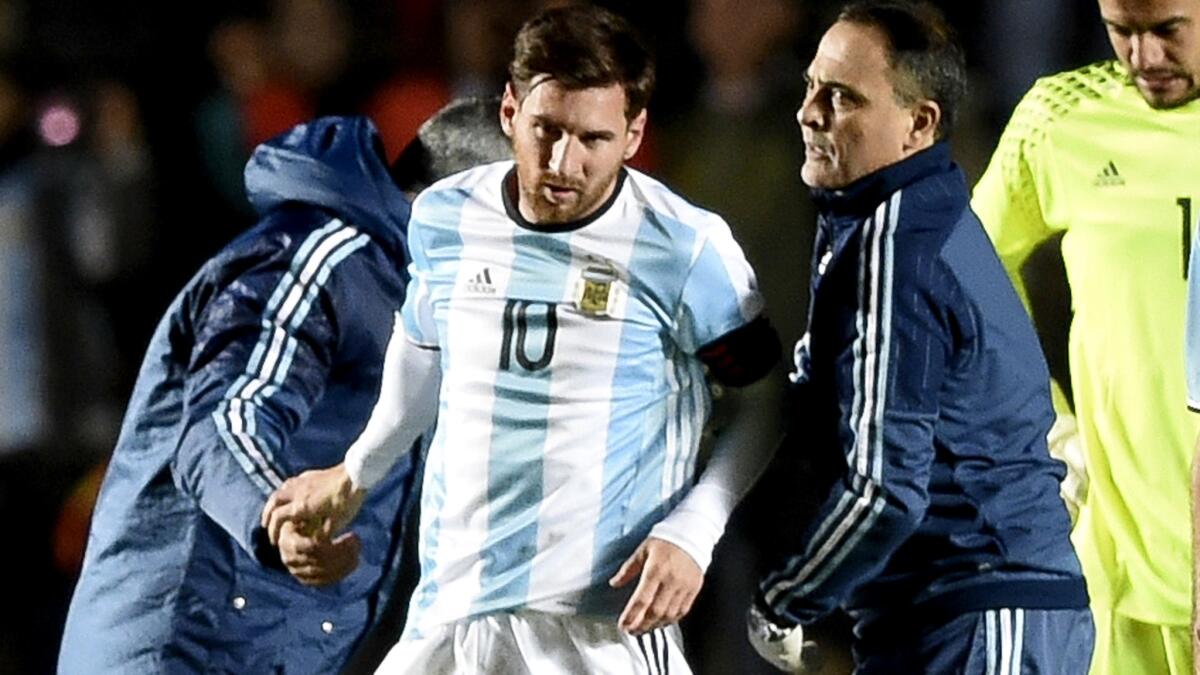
<point>922,373</point>
<point>267,364</point>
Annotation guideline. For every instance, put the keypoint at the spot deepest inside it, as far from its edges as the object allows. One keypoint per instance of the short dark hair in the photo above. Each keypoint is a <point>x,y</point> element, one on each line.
<point>583,46</point>
<point>923,51</point>
<point>463,134</point>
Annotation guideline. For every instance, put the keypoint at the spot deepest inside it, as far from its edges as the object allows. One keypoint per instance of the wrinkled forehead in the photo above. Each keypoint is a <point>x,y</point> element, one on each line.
<point>852,54</point>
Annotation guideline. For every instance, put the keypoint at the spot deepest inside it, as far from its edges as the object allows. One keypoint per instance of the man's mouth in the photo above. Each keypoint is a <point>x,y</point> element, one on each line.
<point>813,151</point>
<point>559,192</point>
<point>1157,79</point>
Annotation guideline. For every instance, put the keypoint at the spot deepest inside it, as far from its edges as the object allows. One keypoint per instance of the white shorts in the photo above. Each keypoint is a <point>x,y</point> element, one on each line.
<point>527,642</point>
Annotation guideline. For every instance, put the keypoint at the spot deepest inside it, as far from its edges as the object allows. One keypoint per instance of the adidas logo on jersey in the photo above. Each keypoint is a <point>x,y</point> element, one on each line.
<point>1109,176</point>
<point>482,283</point>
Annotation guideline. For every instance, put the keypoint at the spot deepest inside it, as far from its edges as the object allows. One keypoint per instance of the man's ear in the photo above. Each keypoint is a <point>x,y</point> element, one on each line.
<point>508,109</point>
<point>634,134</point>
<point>925,122</point>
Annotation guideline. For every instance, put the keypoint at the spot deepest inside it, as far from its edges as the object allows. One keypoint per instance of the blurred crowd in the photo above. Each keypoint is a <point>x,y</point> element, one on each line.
<point>124,129</point>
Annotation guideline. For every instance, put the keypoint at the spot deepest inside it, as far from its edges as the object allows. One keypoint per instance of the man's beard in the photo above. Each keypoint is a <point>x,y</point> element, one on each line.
<point>1191,94</point>
<point>582,205</point>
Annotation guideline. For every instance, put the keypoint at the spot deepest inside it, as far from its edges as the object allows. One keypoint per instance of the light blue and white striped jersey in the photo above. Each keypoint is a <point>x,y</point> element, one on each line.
<point>572,400</point>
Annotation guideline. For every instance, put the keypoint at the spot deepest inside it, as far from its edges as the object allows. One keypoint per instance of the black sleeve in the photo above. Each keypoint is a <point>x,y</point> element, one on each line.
<point>744,355</point>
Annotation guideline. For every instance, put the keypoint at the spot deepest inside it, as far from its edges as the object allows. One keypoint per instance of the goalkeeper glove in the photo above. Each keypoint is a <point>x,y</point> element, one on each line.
<point>1065,445</point>
<point>782,646</point>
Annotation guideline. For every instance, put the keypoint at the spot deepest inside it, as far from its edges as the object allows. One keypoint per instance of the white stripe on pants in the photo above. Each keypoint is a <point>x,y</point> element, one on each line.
<point>516,643</point>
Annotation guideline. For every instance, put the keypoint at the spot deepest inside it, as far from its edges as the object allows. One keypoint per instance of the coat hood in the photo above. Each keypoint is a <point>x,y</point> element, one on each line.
<point>336,163</point>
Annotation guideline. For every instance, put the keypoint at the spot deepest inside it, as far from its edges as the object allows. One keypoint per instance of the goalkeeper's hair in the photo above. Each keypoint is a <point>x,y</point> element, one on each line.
<point>463,134</point>
<point>923,51</point>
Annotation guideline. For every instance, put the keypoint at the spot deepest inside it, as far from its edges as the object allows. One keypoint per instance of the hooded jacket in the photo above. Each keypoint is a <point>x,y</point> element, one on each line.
<point>267,364</point>
<point>921,380</point>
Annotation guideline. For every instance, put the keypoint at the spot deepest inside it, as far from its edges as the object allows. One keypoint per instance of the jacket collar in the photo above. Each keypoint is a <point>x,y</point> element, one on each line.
<point>860,198</point>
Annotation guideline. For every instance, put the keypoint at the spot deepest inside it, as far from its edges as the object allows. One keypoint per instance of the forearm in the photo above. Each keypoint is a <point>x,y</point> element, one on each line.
<point>856,532</point>
<point>406,408</point>
<point>741,453</point>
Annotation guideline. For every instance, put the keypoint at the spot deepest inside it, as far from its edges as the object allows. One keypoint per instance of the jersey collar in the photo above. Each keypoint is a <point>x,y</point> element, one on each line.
<point>508,189</point>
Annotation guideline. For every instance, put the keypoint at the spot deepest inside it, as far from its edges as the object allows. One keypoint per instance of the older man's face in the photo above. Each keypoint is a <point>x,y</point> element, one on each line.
<point>851,119</point>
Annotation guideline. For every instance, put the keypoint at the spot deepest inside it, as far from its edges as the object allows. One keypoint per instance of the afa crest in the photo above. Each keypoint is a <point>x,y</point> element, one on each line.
<point>598,289</point>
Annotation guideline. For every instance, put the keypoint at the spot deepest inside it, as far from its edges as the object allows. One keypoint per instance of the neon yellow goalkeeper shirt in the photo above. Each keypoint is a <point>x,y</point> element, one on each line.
<point>1084,153</point>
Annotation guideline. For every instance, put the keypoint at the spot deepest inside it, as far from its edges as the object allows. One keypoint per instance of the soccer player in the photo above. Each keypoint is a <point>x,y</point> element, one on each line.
<point>569,308</point>
<point>267,363</point>
<point>921,379</point>
<point>1110,155</point>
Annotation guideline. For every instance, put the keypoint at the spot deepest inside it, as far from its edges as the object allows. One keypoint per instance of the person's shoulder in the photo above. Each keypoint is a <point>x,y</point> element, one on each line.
<point>656,197</point>
<point>482,178</point>
<point>1094,81</point>
<point>292,237</point>
<point>1059,99</point>
<point>439,207</point>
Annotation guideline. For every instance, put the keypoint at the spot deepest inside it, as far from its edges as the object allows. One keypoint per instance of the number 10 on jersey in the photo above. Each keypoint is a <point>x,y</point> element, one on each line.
<point>517,315</point>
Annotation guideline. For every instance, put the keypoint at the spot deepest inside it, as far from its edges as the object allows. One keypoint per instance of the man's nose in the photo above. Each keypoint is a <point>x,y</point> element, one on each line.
<point>565,156</point>
<point>810,113</point>
<point>1147,52</point>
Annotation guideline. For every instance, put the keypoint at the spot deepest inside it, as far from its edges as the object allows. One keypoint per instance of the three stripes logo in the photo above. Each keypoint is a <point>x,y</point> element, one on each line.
<point>482,283</point>
<point>1109,176</point>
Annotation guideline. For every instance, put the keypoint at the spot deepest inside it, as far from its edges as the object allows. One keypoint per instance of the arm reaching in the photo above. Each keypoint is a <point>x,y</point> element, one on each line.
<point>317,504</point>
<point>243,399</point>
<point>407,408</point>
<point>323,502</point>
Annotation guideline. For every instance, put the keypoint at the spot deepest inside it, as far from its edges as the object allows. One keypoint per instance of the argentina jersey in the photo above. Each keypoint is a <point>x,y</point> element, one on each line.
<point>572,399</point>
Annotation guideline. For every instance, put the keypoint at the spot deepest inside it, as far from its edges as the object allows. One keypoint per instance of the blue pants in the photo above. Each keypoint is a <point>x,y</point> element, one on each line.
<point>990,642</point>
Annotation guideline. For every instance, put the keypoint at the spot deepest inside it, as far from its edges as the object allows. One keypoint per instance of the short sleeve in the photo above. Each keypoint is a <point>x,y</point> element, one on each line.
<point>417,313</point>
<point>720,294</point>
<point>1008,197</point>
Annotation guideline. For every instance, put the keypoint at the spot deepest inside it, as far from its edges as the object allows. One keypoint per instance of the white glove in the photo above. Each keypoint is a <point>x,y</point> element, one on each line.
<point>783,647</point>
<point>1065,446</point>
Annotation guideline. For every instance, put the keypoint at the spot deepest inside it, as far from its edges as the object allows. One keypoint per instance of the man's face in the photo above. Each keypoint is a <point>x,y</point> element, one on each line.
<point>569,145</point>
<point>1158,41</point>
<point>851,120</point>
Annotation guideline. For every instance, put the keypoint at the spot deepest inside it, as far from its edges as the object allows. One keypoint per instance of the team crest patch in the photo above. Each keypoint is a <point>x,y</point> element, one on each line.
<point>598,289</point>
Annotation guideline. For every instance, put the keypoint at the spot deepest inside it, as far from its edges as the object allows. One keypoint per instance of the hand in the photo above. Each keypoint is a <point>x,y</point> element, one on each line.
<point>319,502</point>
<point>318,560</point>
<point>670,581</point>
<point>1066,446</point>
<point>782,646</point>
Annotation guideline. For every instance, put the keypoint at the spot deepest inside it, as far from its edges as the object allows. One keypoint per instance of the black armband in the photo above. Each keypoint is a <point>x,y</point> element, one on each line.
<point>744,355</point>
